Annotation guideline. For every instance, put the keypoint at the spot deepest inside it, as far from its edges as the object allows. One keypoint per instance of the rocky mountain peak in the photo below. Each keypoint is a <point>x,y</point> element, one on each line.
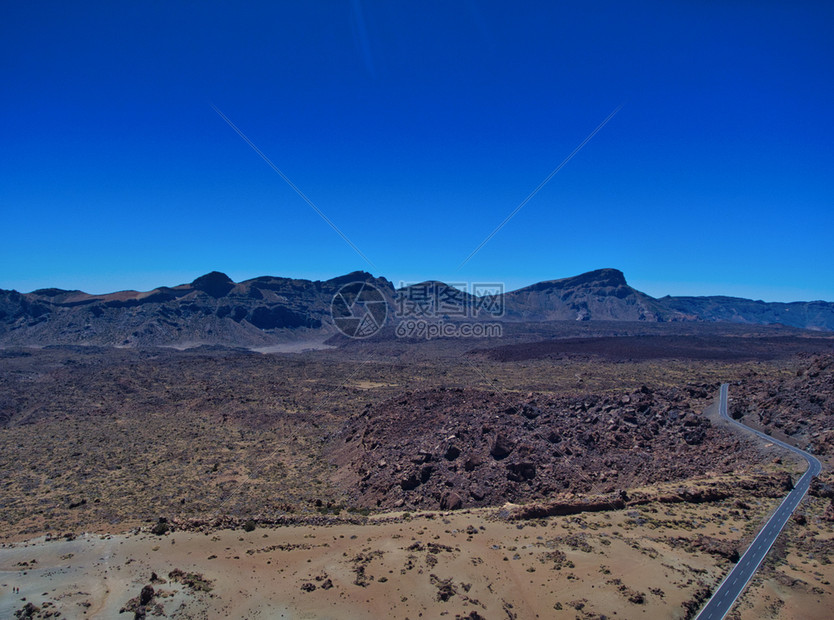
<point>601,277</point>
<point>598,279</point>
<point>216,284</point>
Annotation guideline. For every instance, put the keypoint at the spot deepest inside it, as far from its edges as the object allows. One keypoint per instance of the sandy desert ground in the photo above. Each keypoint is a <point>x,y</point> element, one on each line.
<point>651,561</point>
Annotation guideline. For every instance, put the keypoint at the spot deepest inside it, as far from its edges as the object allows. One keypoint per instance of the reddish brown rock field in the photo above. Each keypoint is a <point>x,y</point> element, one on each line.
<point>448,448</point>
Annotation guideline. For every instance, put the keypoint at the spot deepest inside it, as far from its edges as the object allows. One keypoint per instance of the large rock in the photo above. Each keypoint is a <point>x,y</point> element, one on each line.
<point>451,501</point>
<point>502,446</point>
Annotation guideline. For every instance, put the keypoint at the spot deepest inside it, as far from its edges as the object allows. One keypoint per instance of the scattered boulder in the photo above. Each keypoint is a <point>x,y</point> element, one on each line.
<point>161,528</point>
<point>29,610</point>
<point>519,472</point>
<point>410,482</point>
<point>502,447</point>
<point>452,452</point>
<point>445,587</point>
<point>451,501</point>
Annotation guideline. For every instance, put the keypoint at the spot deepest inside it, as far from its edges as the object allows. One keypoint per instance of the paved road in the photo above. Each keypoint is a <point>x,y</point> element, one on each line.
<point>733,585</point>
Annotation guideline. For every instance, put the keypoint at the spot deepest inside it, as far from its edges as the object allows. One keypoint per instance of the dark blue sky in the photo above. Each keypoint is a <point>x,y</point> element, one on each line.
<point>417,127</point>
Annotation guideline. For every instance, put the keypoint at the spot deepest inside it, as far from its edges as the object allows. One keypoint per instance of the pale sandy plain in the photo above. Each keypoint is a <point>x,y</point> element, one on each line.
<point>614,564</point>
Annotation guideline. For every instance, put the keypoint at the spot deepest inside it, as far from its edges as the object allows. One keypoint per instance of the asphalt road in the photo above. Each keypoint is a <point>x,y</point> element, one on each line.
<point>733,585</point>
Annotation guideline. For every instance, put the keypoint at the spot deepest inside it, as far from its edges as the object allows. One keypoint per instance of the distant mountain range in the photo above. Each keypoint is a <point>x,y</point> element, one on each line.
<point>268,310</point>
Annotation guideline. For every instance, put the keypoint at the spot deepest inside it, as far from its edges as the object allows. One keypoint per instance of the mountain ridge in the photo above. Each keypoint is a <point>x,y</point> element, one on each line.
<point>213,309</point>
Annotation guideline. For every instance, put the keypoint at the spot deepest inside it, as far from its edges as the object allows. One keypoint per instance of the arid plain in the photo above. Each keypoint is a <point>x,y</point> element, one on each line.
<point>585,479</point>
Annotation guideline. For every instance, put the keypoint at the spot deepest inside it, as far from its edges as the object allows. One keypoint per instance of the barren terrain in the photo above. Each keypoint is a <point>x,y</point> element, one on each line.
<point>611,488</point>
<point>653,560</point>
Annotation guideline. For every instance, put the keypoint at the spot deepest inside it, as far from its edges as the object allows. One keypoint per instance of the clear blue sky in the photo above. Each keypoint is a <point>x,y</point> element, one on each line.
<point>417,127</point>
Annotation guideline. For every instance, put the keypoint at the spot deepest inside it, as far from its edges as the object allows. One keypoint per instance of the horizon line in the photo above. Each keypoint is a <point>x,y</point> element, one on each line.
<point>413,282</point>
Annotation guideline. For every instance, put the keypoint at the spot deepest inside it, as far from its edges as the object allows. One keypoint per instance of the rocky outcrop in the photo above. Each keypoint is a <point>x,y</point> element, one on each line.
<point>798,406</point>
<point>445,448</point>
<point>696,492</point>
